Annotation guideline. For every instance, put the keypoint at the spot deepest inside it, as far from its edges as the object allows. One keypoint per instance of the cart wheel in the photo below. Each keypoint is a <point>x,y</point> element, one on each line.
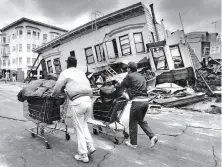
<point>115,141</point>
<point>95,131</point>
<point>67,136</point>
<point>125,134</point>
<point>33,135</point>
<point>100,129</point>
<point>47,145</point>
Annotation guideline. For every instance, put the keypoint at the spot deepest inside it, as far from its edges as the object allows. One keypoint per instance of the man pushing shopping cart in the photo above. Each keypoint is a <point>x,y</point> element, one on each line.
<point>78,89</point>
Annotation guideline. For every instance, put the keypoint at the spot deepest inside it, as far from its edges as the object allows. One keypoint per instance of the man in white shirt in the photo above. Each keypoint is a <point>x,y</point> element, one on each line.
<point>77,86</point>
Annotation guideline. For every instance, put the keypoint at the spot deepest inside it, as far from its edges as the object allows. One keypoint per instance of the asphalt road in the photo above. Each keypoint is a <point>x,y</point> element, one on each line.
<point>186,139</point>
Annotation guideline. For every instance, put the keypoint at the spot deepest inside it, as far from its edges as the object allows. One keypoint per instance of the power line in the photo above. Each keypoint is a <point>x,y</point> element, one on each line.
<point>215,24</point>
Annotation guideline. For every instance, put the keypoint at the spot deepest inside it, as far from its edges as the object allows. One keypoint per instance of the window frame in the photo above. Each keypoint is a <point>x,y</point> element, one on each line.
<point>34,36</point>
<point>20,47</point>
<point>29,48</point>
<point>20,34</point>
<point>89,55</point>
<point>44,39</point>
<point>28,62</point>
<point>33,46</point>
<point>212,49</point>
<point>49,67</point>
<point>177,56</point>
<point>125,44</point>
<point>139,42</point>
<point>20,63</point>
<point>205,50</point>
<point>101,54</point>
<point>57,66</point>
<point>160,56</point>
<point>216,49</point>
<point>29,35</point>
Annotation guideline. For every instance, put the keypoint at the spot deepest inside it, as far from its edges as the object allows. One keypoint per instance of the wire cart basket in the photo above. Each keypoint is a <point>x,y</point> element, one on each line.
<point>45,113</point>
<point>109,114</point>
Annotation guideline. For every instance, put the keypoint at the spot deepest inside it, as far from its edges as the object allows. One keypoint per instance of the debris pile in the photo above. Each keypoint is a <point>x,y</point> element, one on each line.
<point>172,95</point>
<point>212,76</point>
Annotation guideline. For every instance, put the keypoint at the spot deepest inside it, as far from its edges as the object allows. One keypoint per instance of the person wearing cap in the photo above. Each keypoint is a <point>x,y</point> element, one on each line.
<point>136,86</point>
<point>77,87</point>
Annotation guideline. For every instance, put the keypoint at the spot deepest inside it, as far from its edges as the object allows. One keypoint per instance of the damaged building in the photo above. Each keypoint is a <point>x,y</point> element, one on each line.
<point>106,42</point>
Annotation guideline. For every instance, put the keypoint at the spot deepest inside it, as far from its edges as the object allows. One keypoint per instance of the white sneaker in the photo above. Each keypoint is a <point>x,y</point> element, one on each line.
<point>130,145</point>
<point>91,150</point>
<point>84,158</point>
<point>154,140</point>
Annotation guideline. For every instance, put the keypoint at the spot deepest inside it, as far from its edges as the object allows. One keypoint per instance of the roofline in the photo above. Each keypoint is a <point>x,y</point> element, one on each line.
<point>196,32</point>
<point>23,19</point>
<point>140,4</point>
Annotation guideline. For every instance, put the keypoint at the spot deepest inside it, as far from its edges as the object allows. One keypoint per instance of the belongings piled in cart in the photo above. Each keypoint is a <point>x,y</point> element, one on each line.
<point>42,109</point>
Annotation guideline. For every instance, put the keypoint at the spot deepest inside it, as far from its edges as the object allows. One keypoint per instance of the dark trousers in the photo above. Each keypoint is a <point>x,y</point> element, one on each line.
<point>137,114</point>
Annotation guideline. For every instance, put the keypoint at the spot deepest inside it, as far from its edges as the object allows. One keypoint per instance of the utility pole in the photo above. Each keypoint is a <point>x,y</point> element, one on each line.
<point>215,25</point>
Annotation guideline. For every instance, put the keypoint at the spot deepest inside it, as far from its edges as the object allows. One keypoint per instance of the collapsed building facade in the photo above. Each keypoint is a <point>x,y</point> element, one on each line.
<point>129,34</point>
<point>106,41</point>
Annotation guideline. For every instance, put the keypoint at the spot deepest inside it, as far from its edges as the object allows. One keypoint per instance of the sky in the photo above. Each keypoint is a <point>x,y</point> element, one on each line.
<point>197,15</point>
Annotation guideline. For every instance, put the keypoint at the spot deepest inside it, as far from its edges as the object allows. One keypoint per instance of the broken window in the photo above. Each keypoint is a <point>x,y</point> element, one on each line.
<point>100,54</point>
<point>49,64</point>
<point>57,65</point>
<point>138,39</point>
<point>125,45</point>
<point>89,55</point>
<point>159,58</point>
<point>72,53</point>
<point>176,55</point>
<point>206,50</point>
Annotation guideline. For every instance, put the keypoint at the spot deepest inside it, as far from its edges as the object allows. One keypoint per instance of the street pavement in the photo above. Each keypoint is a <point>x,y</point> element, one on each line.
<point>186,139</point>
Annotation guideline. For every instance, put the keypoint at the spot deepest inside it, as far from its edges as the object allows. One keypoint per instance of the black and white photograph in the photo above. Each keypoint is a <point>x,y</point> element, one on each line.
<point>110,83</point>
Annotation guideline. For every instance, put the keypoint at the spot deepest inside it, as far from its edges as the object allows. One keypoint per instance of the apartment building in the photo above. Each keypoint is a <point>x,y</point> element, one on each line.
<point>108,40</point>
<point>215,46</point>
<point>17,42</point>
<point>205,44</point>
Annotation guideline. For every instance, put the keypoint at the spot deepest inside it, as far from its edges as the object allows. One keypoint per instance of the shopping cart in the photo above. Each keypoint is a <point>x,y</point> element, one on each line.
<point>45,113</point>
<point>107,118</point>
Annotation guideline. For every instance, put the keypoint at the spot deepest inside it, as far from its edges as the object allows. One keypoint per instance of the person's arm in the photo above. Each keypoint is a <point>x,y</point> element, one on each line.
<point>126,82</point>
<point>60,84</point>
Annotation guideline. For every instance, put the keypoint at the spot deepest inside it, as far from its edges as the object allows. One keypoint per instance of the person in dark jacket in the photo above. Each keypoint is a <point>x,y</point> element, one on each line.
<point>136,86</point>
